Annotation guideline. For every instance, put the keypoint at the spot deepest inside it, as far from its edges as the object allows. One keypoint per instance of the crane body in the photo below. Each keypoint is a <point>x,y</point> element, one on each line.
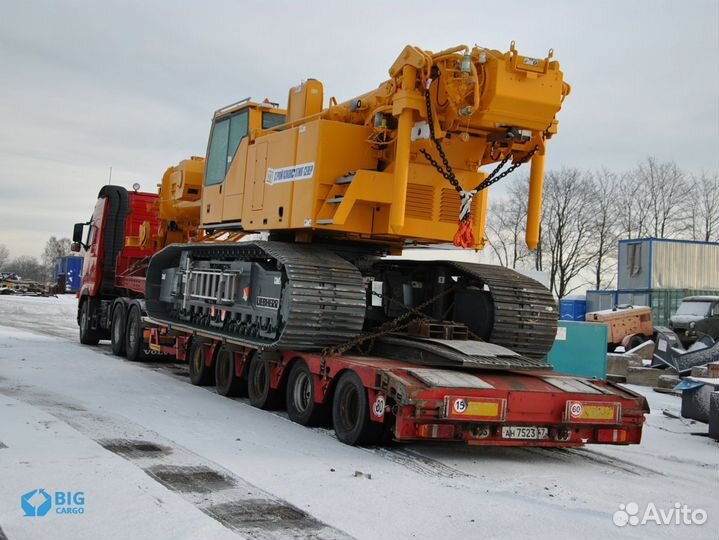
<point>338,187</point>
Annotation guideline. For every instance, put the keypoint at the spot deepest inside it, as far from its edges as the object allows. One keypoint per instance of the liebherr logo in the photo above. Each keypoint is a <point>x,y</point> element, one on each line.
<point>267,302</point>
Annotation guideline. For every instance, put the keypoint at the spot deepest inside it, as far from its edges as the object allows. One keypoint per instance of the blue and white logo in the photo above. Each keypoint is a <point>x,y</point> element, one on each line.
<point>36,503</point>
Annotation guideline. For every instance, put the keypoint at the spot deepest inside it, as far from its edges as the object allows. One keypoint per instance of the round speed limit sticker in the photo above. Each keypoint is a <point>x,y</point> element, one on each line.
<point>378,407</point>
<point>575,409</point>
<point>460,405</point>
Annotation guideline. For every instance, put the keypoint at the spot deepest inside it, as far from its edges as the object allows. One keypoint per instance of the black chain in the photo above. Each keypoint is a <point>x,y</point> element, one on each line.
<point>448,173</point>
<point>491,179</point>
<point>390,326</point>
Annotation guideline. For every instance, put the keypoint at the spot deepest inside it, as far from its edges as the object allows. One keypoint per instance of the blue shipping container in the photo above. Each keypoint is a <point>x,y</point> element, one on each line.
<point>71,268</point>
<point>572,309</point>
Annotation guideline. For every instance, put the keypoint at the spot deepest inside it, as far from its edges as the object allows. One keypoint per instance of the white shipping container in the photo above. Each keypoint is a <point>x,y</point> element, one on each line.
<point>654,263</point>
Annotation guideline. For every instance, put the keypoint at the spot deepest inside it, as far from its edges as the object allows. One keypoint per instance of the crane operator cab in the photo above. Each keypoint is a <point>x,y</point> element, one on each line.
<point>231,127</point>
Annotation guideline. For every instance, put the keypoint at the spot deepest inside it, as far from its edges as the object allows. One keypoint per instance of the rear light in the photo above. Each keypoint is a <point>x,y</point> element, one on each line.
<point>435,431</point>
<point>611,435</point>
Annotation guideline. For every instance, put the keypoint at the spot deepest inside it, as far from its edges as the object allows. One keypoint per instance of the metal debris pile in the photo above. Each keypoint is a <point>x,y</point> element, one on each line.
<point>11,283</point>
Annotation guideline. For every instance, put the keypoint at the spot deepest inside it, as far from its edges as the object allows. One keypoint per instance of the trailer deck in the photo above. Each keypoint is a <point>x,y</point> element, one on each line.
<point>415,401</point>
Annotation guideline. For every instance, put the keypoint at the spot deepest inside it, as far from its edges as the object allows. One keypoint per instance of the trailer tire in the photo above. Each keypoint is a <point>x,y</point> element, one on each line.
<point>350,413</point>
<point>133,336</point>
<point>117,331</point>
<point>88,336</point>
<point>259,388</point>
<point>227,382</point>
<point>200,373</point>
<point>300,397</point>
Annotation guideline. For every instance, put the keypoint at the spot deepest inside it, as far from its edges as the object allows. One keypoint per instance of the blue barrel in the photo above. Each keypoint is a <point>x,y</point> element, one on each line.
<point>572,309</point>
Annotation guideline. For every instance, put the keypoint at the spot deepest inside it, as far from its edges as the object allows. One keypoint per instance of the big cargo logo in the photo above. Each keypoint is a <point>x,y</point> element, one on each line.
<point>38,502</point>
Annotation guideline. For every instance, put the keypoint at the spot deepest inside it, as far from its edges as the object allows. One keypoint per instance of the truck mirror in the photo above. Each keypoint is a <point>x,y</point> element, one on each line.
<point>77,233</point>
<point>75,247</point>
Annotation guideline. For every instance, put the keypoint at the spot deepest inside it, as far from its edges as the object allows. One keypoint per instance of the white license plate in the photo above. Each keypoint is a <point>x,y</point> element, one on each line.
<point>525,432</point>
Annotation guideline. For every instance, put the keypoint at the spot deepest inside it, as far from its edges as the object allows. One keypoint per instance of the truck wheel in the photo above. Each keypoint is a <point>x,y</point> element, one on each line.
<point>300,397</point>
<point>259,389</point>
<point>117,331</point>
<point>134,340</point>
<point>227,383</point>
<point>350,412</point>
<point>88,336</point>
<point>200,373</point>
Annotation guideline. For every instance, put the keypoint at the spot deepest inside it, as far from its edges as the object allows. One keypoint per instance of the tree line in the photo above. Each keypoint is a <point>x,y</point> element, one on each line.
<point>27,267</point>
<point>585,213</point>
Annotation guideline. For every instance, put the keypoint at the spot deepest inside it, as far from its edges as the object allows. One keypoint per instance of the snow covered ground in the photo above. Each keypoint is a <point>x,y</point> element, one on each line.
<point>155,457</point>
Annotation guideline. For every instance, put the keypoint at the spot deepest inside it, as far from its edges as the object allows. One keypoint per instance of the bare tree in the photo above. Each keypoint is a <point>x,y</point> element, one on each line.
<point>4,255</point>
<point>54,249</point>
<point>665,190</point>
<point>567,230</point>
<point>632,206</point>
<point>506,225</point>
<point>703,207</point>
<point>604,221</point>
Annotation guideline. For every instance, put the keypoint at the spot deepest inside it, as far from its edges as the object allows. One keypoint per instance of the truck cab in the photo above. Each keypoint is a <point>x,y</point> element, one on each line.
<point>113,243</point>
<point>696,316</point>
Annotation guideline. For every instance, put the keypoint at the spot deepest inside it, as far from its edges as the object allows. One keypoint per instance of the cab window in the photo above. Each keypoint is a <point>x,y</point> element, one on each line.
<point>270,120</point>
<point>226,137</point>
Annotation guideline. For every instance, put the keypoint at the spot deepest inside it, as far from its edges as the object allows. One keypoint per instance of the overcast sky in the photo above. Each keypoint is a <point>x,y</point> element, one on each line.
<point>132,85</point>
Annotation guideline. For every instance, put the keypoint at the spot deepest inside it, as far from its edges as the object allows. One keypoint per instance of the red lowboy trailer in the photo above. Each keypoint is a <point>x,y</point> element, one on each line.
<point>368,398</point>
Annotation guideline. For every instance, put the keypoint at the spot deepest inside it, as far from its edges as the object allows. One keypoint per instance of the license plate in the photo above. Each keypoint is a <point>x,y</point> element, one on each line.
<point>525,432</point>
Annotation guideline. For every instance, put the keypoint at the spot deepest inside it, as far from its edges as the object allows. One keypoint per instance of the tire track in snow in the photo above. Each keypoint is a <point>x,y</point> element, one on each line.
<point>418,463</point>
<point>239,505</point>
<point>565,454</point>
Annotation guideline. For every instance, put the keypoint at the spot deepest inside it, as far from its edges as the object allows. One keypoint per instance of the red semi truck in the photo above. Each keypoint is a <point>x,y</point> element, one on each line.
<point>366,397</point>
<point>113,285</point>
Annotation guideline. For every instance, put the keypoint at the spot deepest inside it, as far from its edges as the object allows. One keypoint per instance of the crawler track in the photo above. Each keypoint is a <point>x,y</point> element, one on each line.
<point>323,297</point>
<point>525,313</point>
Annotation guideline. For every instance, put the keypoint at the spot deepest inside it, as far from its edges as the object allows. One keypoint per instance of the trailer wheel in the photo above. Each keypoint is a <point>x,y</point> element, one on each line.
<point>350,412</point>
<point>200,373</point>
<point>88,336</point>
<point>227,383</point>
<point>259,388</point>
<point>300,397</point>
<point>117,331</point>
<point>133,336</point>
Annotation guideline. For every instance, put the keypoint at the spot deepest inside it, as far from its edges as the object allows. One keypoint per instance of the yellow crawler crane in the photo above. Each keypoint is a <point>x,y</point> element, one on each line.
<point>335,188</point>
<point>360,169</point>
